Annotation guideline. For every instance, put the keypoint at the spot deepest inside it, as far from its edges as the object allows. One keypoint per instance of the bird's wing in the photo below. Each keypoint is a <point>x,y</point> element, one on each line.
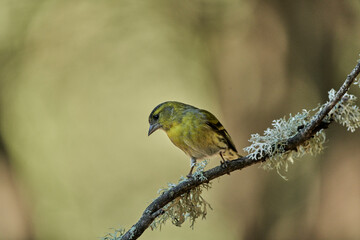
<point>215,124</point>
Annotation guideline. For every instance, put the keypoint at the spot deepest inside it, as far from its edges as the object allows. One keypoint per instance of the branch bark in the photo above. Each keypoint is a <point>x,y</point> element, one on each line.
<point>155,208</point>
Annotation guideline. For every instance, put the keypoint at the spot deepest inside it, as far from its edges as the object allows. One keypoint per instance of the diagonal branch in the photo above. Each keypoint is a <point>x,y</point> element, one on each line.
<point>317,123</point>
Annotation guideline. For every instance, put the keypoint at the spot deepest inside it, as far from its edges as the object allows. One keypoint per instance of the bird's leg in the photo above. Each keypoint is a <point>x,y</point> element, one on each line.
<point>224,162</point>
<point>192,165</point>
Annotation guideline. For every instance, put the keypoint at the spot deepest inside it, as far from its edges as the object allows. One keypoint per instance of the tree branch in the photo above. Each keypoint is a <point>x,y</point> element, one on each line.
<point>305,133</point>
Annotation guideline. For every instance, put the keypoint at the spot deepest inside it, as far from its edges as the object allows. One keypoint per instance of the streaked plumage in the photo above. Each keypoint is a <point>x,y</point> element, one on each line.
<point>195,131</point>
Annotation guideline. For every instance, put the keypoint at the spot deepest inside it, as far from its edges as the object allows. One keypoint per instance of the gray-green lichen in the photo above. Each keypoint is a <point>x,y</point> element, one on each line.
<point>190,205</point>
<point>345,111</point>
<point>272,144</point>
<point>199,173</point>
<point>118,233</point>
<point>356,82</point>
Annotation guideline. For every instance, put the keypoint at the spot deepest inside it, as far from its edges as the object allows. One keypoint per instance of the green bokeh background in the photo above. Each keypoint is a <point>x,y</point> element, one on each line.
<point>78,80</point>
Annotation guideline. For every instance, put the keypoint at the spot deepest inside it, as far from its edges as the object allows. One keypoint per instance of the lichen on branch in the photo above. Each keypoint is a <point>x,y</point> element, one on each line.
<point>345,111</point>
<point>272,143</point>
<point>191,205</point>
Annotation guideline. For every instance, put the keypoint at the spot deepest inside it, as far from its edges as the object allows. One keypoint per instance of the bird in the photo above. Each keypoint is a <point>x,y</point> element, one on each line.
<point>197,132</point>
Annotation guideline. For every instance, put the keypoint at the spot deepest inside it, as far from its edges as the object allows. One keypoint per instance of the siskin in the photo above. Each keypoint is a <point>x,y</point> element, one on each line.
<point>195,131</point>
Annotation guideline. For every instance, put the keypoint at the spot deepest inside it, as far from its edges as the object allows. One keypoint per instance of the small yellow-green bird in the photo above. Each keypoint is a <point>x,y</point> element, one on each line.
<point>195,131</point>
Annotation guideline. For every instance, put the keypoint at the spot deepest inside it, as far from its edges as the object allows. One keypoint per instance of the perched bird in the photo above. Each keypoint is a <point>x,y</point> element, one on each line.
<point>195,131</point>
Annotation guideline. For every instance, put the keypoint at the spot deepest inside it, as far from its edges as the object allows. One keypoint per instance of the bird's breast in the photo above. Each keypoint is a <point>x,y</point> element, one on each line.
<point>177,134</point>
<point>195,140</point>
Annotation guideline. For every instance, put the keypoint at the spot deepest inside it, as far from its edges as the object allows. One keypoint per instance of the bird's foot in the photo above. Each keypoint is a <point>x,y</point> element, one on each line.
<point>225,164</point>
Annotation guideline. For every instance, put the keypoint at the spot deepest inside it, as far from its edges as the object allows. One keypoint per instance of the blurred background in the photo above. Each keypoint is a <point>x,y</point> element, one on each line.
<point>78,80</point>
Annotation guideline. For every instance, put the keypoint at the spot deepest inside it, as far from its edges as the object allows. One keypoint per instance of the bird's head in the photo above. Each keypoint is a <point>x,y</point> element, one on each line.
<point>162,117</point>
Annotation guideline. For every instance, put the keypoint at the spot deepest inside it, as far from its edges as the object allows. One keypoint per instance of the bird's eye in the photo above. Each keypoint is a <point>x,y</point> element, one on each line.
<point>156,116</point>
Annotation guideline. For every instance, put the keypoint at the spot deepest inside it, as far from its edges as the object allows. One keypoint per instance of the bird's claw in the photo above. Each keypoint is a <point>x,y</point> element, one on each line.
<point>225,164</point>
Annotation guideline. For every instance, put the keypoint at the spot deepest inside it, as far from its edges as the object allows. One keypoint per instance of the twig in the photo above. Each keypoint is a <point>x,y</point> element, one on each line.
<point>305,133</point>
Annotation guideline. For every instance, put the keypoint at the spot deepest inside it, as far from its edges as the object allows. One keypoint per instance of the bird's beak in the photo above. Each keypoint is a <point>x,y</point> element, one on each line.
<point>153,128</point>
